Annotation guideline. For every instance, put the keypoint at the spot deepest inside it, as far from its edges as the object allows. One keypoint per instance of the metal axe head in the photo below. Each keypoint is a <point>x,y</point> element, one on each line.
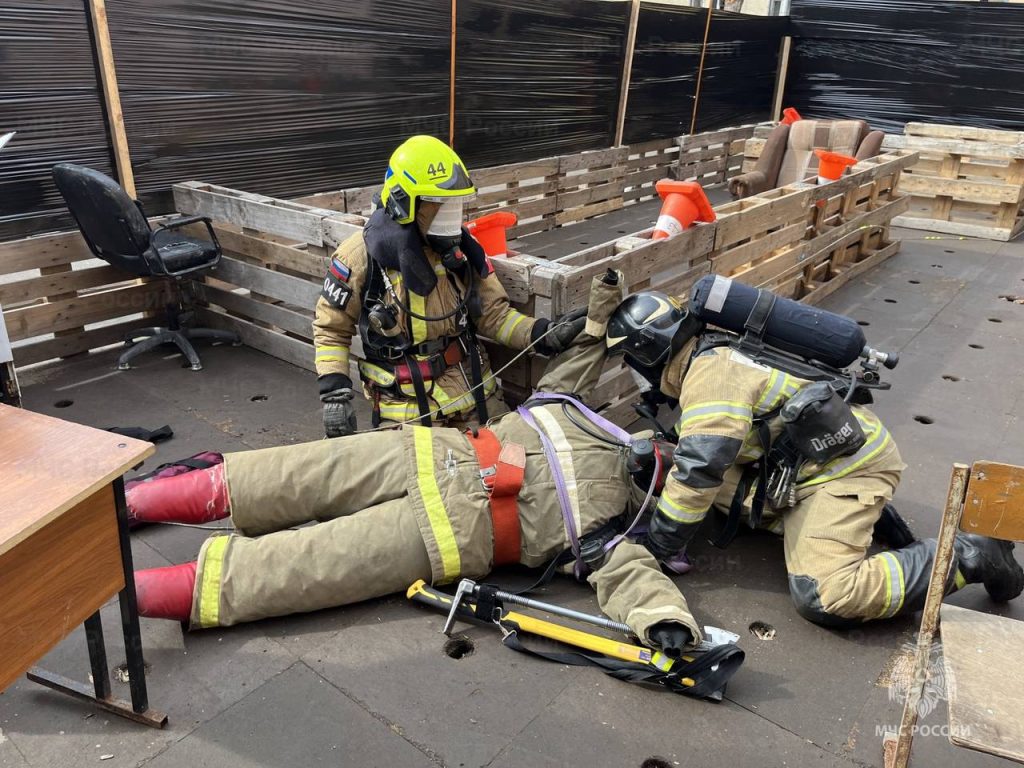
<point>466,587</point>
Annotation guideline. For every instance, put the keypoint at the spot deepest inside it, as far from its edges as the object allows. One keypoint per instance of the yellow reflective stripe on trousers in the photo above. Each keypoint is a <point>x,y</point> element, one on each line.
<point>209,589</point>
<point>678,512</point>
<point>332,355</point>
<point>512,321</point>
<point>878,439</point>
<point>440,525</point>
<point>419,327</point>
<point>894,587</point>
<point>564,452</point>
<point>718,409</point>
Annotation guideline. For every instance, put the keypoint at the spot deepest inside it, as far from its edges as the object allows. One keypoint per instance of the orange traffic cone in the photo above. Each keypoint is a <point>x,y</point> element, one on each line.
<point>831,165</point>
<point>685,203</point>
<point>489,231</point>
<point>790,116</point>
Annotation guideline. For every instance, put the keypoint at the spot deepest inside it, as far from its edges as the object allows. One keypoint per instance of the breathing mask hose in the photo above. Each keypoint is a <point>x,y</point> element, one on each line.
<point>463,301</point>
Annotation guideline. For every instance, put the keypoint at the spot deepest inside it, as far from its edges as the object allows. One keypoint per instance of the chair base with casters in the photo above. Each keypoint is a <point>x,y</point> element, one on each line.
<point>154,337</point>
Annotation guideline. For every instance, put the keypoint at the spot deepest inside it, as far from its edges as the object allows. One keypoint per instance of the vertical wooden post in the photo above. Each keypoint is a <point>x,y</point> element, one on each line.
<point>700,69</point>
<point>451,78</point>
<point>111,94</point>
<point>9,392</point>
<point>627,72</point>
<point>780,77</point>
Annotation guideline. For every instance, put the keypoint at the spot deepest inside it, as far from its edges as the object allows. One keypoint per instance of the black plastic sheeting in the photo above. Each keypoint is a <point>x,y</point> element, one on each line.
<point>535,79</point>
<point>50,95</point>
<point>739,70</point>
<point>917,60</point>
<point>278,97</point>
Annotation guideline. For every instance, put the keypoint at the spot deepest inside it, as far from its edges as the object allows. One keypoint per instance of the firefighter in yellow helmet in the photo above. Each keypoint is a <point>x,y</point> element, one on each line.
<point>417,289</point>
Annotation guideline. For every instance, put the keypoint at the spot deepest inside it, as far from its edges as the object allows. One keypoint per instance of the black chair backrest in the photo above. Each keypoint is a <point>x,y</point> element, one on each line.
<point>110,221</point>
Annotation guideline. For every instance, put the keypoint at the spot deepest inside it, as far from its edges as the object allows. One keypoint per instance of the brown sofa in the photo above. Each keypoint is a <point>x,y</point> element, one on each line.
<point>788,154</point>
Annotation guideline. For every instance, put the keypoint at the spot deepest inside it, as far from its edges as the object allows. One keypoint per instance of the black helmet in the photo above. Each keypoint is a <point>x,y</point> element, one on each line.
<point>648,327</point>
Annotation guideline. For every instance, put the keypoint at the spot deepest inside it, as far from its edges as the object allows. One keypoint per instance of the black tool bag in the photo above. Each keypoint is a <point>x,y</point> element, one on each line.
<point>821,425</point>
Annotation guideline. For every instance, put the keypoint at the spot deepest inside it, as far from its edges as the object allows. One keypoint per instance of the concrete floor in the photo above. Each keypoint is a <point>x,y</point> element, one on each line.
<point>370,686</point>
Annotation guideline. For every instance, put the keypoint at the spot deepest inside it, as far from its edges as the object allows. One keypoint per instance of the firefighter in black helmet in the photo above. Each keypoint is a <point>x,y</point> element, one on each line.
<point>731,418</point>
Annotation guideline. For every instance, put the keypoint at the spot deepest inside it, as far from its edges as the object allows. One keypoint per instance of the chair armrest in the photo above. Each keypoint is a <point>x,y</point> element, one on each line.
<point>747,184</point>
<point>184,221</point>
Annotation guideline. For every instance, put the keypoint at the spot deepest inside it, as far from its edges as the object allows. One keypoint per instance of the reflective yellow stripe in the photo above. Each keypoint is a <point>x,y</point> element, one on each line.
<point>332,354</point>
<point>719,409</point>
<point>508,328</point>
<point>894,585</point>
<point>563,450</point>
<point>440,525</point>
<point>772,390</point>
<point>661,661</point>
<point>397,411</point>
<point>678,512</point>
<point>419,327</point>
<point>209,589</point>
<point>960,580</point>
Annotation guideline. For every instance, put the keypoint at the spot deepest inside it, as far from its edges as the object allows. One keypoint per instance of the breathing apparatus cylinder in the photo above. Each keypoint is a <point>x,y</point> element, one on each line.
<point>800,329</point>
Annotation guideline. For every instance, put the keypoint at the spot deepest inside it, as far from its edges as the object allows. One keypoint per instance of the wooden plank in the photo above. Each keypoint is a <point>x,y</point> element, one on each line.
<point>359,200</point>
<point>994,505</point>
<point>639,178</point>
<point>266,214</point>
<point>514,273</point>
<point>503,195</point>
<point>56,578</point>
<point>974,149</point>
<point>504,174</point>
<point>833,285</point>
<point>591,159</point>
<point>725,261</point>
<point>39,319</point>
<point>266,251</point>
<point>239,303</point>
<point>43,251</point>
<point>334,201</point>
<point>587,211</point>
<point>566,201</point>
<point>961,189</point>
<point>953,227</point>
<point>337,229</point>
<point>711,138</point>
<point>759,213</point>
<point>111,95</point>
<point>298,353</point>
<point>52,285</point>
<point>627,70</point>
<point>780,77</point>
<point>75,343</point>
<point>568,183</point>
<point>654,145</point>
<point>963,132</point>
<point>985,688</point>
<point>293,290</point>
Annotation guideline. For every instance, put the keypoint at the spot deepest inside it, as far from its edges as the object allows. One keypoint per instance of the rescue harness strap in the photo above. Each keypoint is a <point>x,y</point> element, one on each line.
<point>502,480</point>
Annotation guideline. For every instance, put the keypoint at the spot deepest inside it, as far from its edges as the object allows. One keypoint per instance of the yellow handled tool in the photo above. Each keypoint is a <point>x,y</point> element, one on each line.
<point>420,592</point>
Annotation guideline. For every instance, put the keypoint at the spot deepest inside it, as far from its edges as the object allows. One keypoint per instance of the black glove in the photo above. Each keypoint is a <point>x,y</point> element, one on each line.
<point>671,637</point>
<point>339,412</point>
<point>566,329</point>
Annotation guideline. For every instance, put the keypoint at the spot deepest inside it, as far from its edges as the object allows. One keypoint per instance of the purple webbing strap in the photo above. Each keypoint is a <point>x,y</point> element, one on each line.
<point>563,493</point>
<point>596,419</point>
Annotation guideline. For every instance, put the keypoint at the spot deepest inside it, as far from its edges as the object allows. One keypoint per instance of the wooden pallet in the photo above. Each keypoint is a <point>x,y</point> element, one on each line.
<point>712,157</point>
<point>969,181</point>
<point>58,300</point>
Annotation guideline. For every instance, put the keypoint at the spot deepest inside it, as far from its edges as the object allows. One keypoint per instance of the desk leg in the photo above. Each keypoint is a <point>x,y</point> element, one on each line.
<point>130,608</point>
<point>138,710</point>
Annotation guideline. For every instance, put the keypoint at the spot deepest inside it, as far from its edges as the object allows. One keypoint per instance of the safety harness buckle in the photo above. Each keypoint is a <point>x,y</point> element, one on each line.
<point>488,476</point>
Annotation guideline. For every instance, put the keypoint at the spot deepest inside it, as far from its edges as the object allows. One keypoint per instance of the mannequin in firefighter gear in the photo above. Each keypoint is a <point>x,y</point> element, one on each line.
<point>400,505</point>
<point>417,289</point>
<point>722,396</point>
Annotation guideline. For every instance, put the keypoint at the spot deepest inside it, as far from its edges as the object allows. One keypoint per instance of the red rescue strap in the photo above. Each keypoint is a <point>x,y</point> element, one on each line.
<point>501,471</point>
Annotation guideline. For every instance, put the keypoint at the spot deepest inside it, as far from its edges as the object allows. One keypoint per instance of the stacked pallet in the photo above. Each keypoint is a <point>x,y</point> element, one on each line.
<point>58,300</point>
<point>969,181</point>
<point>712,157</point>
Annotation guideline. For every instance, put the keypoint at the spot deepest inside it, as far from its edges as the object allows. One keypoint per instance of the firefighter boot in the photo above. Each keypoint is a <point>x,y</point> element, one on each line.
<point>200,496</point>
<point>990,562</point>
<point>166,593</point>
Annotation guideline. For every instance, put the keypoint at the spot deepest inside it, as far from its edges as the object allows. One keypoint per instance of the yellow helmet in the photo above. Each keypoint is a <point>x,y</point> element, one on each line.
<point>423,168</point>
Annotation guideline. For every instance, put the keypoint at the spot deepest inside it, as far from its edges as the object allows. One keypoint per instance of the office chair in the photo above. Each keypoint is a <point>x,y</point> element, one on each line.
<point>116,230</point>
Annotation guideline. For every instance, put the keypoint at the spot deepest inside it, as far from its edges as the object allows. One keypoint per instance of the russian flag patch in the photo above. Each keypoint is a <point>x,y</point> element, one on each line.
<point>339,270</point>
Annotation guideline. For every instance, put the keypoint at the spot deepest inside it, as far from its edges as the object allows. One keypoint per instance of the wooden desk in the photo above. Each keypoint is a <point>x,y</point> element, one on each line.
<point>64,551</point>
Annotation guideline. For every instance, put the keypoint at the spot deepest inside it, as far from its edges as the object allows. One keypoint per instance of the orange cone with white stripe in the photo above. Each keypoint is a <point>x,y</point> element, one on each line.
<point>832,165</point>
<point>685,203</point>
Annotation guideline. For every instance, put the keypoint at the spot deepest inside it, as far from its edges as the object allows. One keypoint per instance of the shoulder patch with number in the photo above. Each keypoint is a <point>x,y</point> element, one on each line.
<point>336,290</point>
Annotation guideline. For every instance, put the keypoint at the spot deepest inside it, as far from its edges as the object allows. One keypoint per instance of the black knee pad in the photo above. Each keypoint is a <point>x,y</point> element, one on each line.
<point>804,591</point>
